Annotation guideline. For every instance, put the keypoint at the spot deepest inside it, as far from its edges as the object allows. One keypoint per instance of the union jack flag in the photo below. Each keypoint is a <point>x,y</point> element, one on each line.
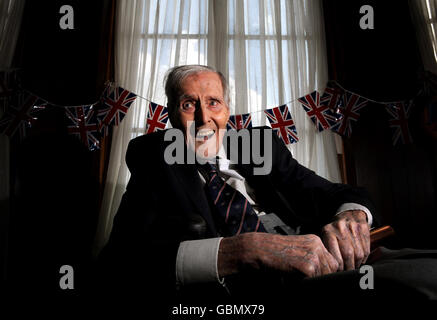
<point>399,113</point>
<point>83,124</point>
<point>282,123</point>
<point>116,104</point>
<point>157,118</point>
<point>321,115</point>
<point>239,121</point>
<point>21,114</point>
<point>349,112</point>
<point>332,96</point>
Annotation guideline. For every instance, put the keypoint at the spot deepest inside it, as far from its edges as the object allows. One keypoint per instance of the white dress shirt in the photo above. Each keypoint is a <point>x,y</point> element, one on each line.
<point>196,260</point>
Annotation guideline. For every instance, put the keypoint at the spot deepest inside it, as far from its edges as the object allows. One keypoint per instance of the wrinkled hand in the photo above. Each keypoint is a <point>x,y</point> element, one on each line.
<point>305,253</point>
<point>348,239</point>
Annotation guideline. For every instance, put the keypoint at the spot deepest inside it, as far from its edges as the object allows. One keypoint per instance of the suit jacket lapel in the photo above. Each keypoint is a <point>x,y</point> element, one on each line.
<point>191,184</point>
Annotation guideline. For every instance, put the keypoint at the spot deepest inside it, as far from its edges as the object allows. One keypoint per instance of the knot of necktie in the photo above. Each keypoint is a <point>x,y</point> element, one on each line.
<point>210,169</point>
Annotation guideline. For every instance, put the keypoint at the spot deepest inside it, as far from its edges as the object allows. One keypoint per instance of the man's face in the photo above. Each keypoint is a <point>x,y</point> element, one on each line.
<point>202,102</point>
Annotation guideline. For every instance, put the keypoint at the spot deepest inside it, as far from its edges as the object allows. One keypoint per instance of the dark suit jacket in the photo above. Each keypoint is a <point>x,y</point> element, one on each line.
<point>166,204</point>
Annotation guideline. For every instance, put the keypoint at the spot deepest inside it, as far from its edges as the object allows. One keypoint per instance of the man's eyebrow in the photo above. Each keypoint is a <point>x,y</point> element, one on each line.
<point>186,96</point>
<point>190,97</point>
<point>214,97</point>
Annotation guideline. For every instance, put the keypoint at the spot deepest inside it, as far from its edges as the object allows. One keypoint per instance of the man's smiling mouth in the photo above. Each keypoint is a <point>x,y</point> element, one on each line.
<point>204,134</point>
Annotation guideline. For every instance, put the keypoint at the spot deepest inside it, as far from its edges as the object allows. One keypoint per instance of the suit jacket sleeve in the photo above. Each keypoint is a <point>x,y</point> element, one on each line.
<point>142,249</point>
<point>312,197</point>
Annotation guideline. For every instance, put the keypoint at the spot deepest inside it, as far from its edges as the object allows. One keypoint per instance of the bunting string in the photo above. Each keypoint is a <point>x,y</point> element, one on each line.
<point>335,109</point>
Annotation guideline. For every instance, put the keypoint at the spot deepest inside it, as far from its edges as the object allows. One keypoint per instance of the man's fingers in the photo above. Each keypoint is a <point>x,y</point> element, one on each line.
<point>317,260</point>
<point>365,240</point>
<point>345,243</point>
<point>332,262</point>
<point>366,250</point>
<point>347,252</point>
<point>331,243</point>
<point>350,245</point>
<point>357,244</point>
<point>325,263</point>
<point>312,266</point>
<point>324,266</point>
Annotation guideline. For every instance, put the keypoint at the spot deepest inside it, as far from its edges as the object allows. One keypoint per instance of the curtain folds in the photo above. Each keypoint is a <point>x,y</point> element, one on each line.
<point>11,12</point>
<point>271,52</point>
<point>424,16</point>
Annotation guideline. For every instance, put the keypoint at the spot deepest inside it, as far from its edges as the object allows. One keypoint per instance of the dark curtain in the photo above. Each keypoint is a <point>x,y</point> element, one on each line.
<point>56,180</point>
<point>384,64</point>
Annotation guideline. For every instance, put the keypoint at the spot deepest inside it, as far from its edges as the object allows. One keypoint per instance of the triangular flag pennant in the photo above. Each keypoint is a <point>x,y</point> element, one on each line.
<point>83,124</point>
<point>21,114</point>
<point>332,96</point>
<point>239,121</point>
<point>116,102</point>
<point>399,113</point>
<point>282,123</point>
<point>320,115</point>
<point>157,118</point>
<point>353,103</point>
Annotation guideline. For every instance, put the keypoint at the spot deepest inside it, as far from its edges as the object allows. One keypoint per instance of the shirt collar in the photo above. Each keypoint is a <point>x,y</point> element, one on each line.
<point>223,164</point>
<point>222,161</point>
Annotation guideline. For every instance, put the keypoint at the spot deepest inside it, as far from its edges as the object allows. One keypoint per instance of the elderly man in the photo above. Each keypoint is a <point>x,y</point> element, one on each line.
<point>215,224</point>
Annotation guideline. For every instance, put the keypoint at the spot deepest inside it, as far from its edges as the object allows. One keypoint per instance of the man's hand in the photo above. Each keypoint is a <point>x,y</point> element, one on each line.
<point>348,239</point>
<point>257,250</point>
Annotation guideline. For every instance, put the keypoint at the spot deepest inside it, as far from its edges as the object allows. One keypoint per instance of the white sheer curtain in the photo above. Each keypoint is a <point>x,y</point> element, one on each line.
<point>424,14</point>
<point>271,51</point>
<point>11,12</point>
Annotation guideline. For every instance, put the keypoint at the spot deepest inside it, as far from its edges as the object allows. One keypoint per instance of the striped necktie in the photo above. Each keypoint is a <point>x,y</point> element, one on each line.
<point>235,215</point>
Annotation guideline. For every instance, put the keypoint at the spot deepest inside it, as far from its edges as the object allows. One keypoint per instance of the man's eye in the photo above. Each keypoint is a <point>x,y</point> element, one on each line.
<point>213,103</point>
<point>187,105</point>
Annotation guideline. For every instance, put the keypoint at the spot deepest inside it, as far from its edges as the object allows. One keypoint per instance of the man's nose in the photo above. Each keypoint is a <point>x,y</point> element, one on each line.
<point>202,115</point>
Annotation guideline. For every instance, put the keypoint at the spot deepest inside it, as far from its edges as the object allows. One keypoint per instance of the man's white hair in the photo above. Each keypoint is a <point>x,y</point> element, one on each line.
<point>173,82</point>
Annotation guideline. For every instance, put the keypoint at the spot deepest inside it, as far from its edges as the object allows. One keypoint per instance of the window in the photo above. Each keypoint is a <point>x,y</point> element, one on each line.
<point>264,48</point>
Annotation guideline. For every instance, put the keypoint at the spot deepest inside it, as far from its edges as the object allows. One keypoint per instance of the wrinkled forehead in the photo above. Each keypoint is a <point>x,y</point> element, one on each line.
<point>202,83</point>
